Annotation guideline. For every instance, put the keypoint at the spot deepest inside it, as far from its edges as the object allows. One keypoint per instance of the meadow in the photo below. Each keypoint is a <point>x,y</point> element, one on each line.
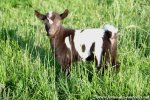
<point>28,70</point>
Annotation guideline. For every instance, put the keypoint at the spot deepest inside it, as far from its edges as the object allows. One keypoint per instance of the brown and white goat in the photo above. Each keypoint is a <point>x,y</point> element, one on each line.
<point>70,45</point>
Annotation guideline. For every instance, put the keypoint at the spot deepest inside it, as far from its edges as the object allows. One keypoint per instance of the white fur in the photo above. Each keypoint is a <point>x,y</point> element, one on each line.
<point>88,37</point>
<point>49,16</point>
<point>67,43</point>
<point>50,21</point>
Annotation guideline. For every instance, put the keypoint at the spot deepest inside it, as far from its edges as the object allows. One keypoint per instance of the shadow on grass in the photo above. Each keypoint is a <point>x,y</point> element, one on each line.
<point>27,43</point>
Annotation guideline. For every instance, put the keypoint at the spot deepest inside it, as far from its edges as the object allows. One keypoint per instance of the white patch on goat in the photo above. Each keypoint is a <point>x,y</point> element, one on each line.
<point>50,21</point>
<point>49,16</point>
<point>88,37</point>
<point>110,28</point>
<point>67,43</point>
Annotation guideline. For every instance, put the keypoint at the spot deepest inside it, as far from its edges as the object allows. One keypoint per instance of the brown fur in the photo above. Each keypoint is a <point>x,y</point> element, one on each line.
<point>64,55</point>
<point>110,50</point>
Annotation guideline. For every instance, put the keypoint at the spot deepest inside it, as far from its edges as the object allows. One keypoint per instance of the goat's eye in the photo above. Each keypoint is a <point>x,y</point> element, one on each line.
<point>45,21</point>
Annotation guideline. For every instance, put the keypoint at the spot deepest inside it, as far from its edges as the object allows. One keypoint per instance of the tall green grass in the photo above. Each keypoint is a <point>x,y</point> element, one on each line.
<point>27,70</point>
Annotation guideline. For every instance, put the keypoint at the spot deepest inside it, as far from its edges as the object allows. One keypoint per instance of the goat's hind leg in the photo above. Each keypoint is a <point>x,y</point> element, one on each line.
<point>66,70</point>
<point>98,57</point>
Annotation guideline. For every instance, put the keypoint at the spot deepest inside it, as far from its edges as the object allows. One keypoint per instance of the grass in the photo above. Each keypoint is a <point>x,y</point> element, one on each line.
<point>27,68</point>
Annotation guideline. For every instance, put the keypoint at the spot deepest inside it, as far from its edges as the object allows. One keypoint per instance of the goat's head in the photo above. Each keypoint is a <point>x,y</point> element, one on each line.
<point>52,21</point>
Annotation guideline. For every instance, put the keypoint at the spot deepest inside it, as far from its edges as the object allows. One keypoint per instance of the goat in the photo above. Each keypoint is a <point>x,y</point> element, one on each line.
<point>70,45</point>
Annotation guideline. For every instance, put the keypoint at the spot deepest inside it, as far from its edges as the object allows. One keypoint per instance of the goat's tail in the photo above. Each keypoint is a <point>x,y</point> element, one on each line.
<point>111,30</point>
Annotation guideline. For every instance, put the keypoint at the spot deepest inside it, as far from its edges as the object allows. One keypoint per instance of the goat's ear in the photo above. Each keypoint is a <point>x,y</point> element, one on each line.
<point>64,14</point>
<point>39,15</point>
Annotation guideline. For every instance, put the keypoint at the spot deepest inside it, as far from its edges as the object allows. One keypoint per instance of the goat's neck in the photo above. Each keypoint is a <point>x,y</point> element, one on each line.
<point>58,39</point>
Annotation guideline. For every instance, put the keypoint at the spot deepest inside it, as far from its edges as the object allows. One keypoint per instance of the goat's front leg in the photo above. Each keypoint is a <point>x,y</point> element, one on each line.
<point>116,66</point>
<point>104,62</point>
